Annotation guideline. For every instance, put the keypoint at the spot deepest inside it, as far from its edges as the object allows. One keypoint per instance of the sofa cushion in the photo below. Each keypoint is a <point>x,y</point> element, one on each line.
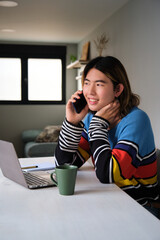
<point>49,134</point>
<point>30,135</point>
<point>33,149</point>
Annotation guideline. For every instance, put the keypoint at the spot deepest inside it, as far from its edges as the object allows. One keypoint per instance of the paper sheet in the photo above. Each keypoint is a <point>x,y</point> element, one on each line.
<point>38,166</point>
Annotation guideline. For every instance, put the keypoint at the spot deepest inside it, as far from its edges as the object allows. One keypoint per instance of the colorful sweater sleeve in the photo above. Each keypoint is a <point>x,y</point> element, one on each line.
<point>72,148</point>
<point>100,148</point>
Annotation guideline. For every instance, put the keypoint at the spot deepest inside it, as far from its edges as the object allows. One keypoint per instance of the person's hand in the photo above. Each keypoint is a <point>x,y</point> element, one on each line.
<point>111,113</point>
<point>71,115</point>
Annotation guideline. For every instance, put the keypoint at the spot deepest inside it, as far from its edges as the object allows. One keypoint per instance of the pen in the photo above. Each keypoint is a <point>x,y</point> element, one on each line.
<point>29,167</point>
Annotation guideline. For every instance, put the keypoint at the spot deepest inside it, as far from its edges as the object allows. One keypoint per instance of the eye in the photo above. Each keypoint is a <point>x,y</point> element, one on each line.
<point>86,83</point>
<point>100,84</point>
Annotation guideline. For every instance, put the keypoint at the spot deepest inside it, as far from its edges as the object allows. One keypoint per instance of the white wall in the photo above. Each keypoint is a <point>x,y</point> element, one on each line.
<point>134,33</point>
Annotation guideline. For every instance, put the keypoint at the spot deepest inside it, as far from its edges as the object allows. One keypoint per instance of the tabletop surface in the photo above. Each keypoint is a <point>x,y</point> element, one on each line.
<point>95,211</point>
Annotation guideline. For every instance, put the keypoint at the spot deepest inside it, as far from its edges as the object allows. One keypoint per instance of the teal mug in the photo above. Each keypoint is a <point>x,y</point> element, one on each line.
<point>65,178</point>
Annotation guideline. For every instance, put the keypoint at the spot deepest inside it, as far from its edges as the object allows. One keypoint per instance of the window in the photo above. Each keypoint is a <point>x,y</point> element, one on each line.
<point>32,74</point>
<point>47,75</point>
<point>10,79</point>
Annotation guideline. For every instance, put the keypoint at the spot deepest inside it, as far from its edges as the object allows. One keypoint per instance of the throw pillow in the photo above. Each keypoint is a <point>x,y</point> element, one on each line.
<point>49,134</point>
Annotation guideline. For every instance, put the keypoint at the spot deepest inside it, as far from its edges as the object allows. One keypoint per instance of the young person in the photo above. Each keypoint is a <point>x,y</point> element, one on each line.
<point>115,132</point>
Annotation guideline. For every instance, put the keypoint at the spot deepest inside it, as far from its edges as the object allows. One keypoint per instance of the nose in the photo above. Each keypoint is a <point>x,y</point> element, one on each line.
<point>91,90</point>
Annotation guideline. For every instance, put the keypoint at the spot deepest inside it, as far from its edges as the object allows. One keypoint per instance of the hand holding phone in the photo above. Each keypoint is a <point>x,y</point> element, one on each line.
<point>80,103</point>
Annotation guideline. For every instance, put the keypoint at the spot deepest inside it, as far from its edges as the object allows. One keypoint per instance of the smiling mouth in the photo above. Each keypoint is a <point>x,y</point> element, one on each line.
<point>92,101</point>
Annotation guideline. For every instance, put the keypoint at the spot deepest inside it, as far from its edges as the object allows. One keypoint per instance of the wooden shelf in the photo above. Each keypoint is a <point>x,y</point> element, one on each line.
<point>77,64</point>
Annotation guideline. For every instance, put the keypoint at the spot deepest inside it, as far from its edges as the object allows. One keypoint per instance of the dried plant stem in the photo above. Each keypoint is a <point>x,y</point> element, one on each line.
<point>100,43</point>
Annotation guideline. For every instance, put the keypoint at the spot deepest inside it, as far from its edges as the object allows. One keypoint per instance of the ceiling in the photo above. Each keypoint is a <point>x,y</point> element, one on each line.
<point>64,21</point>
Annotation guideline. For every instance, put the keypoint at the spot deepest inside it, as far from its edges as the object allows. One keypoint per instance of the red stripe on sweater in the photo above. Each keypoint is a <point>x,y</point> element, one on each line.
<point>147,171</point>
<point>84,144</point>
<point>124,159</point>
<point>128,170</point>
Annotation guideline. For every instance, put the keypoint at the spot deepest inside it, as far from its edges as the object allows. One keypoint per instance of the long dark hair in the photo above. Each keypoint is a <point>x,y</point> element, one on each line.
<point>116,72</point>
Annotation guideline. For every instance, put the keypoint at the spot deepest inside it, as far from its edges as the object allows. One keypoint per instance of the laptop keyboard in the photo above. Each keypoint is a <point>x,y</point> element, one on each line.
<point>35,180</point>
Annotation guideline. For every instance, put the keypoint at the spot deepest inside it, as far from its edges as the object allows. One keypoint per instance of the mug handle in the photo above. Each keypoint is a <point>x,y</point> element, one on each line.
<point>51,176</point>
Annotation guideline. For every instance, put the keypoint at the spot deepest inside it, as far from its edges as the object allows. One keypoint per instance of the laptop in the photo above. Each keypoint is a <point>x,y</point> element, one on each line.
<point>11,168</point>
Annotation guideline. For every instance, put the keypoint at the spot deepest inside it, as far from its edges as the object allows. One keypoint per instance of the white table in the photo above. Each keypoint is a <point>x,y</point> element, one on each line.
<point>96,211</point>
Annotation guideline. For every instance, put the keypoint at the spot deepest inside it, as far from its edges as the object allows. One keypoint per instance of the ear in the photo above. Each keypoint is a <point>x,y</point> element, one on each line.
<point>119,89</point>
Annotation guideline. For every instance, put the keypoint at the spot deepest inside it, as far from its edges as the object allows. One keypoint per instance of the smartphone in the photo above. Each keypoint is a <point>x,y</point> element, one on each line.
<point>80,103</point>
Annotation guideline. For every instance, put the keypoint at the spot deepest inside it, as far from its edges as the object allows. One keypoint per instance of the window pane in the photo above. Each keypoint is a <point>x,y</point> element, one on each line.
<point>10,79</point>
<point>44,79</point>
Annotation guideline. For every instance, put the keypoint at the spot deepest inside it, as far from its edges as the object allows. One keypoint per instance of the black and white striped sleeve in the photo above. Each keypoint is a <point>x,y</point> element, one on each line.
<point>69,139</point>
<point>100,148</point>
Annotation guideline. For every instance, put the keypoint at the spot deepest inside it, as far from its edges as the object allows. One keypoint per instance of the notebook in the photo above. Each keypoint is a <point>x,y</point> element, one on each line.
<point>11,169</point>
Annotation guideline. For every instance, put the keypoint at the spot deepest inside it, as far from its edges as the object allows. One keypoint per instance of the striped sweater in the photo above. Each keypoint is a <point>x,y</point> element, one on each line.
<point>124,155</point>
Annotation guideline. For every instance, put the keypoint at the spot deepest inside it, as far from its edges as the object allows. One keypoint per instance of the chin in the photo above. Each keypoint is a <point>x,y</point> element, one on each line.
<point>93,110</point>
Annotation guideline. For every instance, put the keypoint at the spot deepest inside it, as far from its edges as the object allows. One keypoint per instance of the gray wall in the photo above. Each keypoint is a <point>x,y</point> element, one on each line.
<point>134,33</point>
<point>16,118</point>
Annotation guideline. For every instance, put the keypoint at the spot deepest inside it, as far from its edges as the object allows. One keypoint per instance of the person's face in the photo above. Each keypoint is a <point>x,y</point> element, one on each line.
<point>98,90</point>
